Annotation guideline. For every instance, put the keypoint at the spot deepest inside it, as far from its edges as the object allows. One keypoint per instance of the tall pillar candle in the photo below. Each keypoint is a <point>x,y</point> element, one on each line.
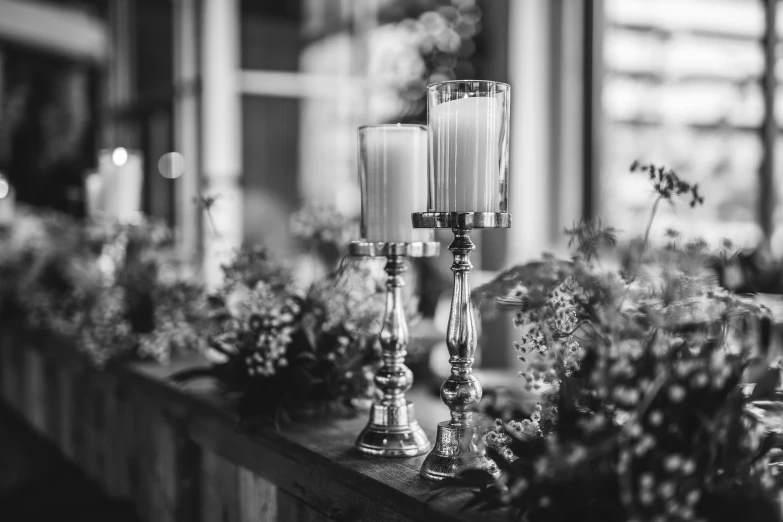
<point>469,142</point>
<point>393,176</point>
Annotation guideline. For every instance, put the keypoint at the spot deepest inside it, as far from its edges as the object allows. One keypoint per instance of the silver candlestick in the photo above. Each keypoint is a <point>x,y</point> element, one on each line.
<point>456,447</point>
<point>392,430</point>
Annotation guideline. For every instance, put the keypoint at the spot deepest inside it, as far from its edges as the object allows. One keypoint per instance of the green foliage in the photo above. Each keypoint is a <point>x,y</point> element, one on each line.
<point>644,418</point>
<point>110,289</point>
<point>252,264</point>
<point>116,292</point>
<point>282,349</point>
<point>591,238</point>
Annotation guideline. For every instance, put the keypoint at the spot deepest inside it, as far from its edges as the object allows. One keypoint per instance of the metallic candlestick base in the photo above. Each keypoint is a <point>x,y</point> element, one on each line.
<point>456,450</point>
<point>456,447</point>
<point>392,430</point>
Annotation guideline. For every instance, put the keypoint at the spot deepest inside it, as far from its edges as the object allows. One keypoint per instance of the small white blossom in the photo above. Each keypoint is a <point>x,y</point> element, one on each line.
<point>676,393</point>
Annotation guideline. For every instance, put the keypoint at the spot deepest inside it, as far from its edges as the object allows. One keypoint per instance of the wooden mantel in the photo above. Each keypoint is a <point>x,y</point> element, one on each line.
<point>181,455</point>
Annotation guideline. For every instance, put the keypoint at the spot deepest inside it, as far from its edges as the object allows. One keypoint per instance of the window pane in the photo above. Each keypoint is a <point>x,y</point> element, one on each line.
<point>776,242</point>
<point>681,89</point>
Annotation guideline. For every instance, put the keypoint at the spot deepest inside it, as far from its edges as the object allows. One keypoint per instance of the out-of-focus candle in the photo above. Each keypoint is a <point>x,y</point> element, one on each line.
<point>121,180</point>
<point>393,177</point>
<point>93,195</point>
<point>469,142</point>
<point>7,202</point>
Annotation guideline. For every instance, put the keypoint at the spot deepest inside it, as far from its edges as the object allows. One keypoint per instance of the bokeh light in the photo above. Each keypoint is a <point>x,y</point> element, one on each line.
<point>5,188</point>
<point>119,156</point>
<point>171,165</point>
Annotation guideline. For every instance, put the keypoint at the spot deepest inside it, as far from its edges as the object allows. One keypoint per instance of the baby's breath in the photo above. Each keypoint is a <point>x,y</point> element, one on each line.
<point>644,419</point>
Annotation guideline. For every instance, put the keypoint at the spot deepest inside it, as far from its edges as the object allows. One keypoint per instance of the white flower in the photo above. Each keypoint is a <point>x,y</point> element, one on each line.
<point>700,380</point>
<point>676,393</point>
<point>688,467</point>
<point>646,497</point>
<point>667,489</point>
<point>672,463</point>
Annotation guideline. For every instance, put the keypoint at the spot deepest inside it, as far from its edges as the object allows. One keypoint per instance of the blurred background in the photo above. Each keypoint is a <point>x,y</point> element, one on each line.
<point>250,109</point>
<point>224,118</point>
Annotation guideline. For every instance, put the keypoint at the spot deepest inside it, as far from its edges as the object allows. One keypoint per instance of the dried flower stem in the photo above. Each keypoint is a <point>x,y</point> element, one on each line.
<point>211,220</point>
<point>646,238</point>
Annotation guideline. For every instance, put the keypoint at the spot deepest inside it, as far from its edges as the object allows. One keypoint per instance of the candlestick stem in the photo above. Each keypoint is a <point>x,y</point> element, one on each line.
<point>392,430</point>
<point>456,447</point>
<point>394,378</point>
<point>461,336</point>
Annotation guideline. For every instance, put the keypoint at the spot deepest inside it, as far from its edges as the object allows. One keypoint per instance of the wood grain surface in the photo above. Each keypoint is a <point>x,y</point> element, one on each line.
<point>183,454</point>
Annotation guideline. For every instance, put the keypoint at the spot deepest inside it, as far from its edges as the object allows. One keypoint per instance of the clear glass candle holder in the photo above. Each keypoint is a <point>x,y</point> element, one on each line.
<point>393,178</point>
<point>469,122</point>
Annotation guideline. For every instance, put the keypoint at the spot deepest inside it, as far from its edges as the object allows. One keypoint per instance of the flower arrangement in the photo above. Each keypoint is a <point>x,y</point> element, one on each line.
<point>641,416</point>
<point>179,318</point>
<point>57,280</point>
<point>113,291</point>
<point>107,289</point>
<point>757,270</point>
<point>278,347</point>
<point>165,310</point>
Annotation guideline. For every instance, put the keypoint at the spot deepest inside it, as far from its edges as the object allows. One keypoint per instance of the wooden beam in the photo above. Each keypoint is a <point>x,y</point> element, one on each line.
<point>222,134</point>
<point>529,75</point>
<point>497,335</point>
<point>297,85</point>
<point>769,128</point>
<point>567,109</point>
<point>54,28</point>
<point>119,82</point>
<point>186,125</point>
<point>592,109</point>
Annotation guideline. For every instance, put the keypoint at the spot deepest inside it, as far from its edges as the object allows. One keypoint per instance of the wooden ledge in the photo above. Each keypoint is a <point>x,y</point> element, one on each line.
<point>181,455</point>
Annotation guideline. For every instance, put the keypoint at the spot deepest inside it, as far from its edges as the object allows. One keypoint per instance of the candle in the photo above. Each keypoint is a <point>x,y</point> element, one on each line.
<point>7,202</point>
<point>93,195</point>
<point>393,177</point>
<point>121,180</point>
<point>469,143</point>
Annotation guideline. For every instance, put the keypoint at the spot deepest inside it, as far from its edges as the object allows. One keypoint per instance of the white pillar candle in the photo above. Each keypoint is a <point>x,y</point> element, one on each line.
<point>122,178</point>
<point>467,154</point>
<point>7,203</point>
<point>93,195</point>
<point>393,174</point>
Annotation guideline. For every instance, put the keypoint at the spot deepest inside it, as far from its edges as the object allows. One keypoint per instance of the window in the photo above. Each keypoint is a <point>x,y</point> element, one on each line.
<point>684,87</point>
